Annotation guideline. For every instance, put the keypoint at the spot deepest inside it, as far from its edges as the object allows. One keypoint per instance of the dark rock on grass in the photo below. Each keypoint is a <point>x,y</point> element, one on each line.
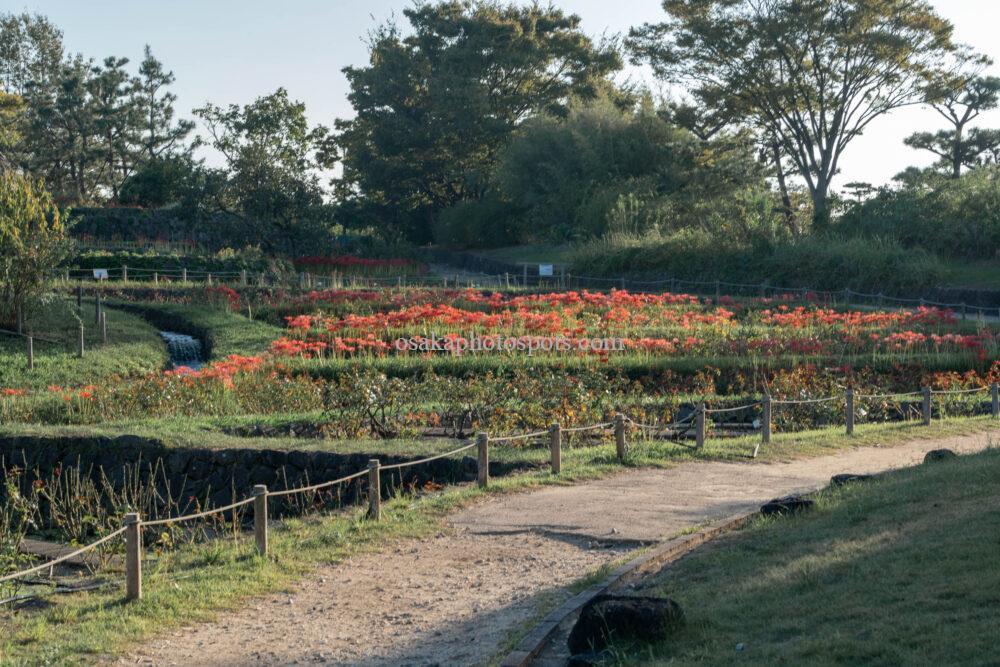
<point>936,455</point>
<point>786,505</point>
<point>848,478</point>
<point>609,618</point>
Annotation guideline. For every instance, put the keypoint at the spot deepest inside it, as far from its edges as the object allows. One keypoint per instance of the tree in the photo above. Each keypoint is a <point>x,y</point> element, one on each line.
<point>815,72</point>
<point>32,241</point>
<point>960,104</point>
<point>155,106</point>
<point>433,109</point>
<point>31,52</point>
<point>274,159</point>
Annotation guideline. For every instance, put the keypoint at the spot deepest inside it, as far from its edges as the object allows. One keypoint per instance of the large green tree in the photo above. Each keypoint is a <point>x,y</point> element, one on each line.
<point>434,108</point>
<point>274,160</point>
<point>815,73</point>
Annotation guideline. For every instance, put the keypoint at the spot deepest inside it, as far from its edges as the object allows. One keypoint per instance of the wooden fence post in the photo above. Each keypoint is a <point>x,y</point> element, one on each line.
<point>31,353</point>
<point>79,343</point>
<point>620,437</point>
<point>765,424</point>
<point>260,518</point>
<point>209,279</point>
<point>97,308</point>
<point>133,557</point>
<point>104,327</point>
<point>555,445</point>
<point>483,460</point>
<point>184,275</point>
<point>995,396</point>
<point>243,278</point>
<point>699,433</point>
<point>525,284</point>
<point>374,490</point>
<point>156,278</point>
<point>124,274</point>
<point>926,406</point>
<point>849,410</point>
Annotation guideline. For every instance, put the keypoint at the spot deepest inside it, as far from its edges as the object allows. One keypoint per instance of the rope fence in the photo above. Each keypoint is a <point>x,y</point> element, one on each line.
<point>133,524</point>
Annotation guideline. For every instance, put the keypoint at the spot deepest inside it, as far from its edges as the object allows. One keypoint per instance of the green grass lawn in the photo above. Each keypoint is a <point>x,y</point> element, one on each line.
<point>902,570</point>
<point>194,583</point>
<point>134,348</point>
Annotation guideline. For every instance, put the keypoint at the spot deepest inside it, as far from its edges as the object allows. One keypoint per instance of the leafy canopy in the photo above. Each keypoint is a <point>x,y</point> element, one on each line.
<point>816,73</point>
<point>434,108</point>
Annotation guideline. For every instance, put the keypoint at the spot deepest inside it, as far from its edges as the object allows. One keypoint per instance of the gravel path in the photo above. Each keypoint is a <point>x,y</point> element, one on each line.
<point>455,599</point>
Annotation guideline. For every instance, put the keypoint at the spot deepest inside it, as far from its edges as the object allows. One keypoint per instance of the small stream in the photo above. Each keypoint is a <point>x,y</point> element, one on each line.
<point>184,350</point>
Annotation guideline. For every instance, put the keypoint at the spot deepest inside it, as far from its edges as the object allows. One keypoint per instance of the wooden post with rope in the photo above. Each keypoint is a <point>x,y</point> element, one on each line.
<point>483,460</point>
<point>133,557</point>
<point>555,446</point>
<point>620,437</point>
<point>699,433</point>
<point>374,490</point>
<point>926,408</point>
<point>260,518</point>
<point>849,410</point>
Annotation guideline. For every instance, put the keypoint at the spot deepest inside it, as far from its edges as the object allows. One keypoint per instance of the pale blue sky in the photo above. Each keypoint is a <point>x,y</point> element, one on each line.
<point>231,51</point>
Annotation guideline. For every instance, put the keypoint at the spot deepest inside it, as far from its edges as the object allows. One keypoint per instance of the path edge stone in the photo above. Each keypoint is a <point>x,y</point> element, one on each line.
<point>537,638</point>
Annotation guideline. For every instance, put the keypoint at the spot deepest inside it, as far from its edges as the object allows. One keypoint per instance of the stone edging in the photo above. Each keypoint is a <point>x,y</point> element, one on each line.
<point>537,638</point>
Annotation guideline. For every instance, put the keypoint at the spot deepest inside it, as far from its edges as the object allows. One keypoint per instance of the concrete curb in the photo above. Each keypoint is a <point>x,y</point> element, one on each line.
<point>536,639</point>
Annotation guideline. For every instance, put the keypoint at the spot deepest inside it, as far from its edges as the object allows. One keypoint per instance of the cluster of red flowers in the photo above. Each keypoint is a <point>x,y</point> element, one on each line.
<point>802,317</point>
<point>223,370</point>
<point>222,292</point>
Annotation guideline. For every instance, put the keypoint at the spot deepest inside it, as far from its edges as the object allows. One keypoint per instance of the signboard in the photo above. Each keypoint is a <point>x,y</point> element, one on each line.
<point>545,270</point>
<point>101,274</point>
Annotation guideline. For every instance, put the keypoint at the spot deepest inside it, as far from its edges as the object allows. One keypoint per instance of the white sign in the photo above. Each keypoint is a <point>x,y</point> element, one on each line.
<point>101,274</point>
<point>545,270</point>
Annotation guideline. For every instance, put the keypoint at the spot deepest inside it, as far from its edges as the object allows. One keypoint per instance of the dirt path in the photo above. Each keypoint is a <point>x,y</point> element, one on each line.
<point>454,599</point>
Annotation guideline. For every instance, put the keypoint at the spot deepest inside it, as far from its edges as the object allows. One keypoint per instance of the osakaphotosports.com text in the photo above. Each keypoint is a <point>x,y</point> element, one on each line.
<point>527,344</point>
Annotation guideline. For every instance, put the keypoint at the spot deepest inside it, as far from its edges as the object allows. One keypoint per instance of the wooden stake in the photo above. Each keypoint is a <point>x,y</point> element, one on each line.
<point>699,433</point>
<point>133,557</point>
<point>260,518</point>
<point>765,425</point>
<point>79,343</point>
<point>104,327</point>
<point>483,460</point>
<point>927,406</point>
<point>555,446</point>
<point>620,437</point>
<point>849,411</point>
<point>374,490</point>
<point>31,353</point>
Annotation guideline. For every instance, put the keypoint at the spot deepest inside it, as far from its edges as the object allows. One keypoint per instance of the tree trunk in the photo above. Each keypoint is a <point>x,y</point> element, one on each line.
<point>821,206</point>
<point>956,155</point>
<point>786,201</point>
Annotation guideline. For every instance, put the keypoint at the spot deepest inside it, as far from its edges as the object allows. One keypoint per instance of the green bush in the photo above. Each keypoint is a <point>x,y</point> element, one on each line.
<point>826,263</point>
<point>952,217</point>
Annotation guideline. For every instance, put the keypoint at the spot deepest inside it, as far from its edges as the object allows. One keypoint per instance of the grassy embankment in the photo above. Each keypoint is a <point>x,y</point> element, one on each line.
<point>134,348</point>
<point>193,583</point>
<point>900,570</point>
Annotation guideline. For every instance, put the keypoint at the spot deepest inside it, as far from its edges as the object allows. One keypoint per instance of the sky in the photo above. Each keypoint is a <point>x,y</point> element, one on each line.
<point>232,51</point>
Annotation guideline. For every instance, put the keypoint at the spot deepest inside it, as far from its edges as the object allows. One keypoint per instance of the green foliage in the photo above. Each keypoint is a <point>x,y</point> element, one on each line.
<point>815,262</point>
<point>603,170</point>
<point>434,108</point>
<point>32,241</point>
<point>952,217</point>
<point>273,159</point>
